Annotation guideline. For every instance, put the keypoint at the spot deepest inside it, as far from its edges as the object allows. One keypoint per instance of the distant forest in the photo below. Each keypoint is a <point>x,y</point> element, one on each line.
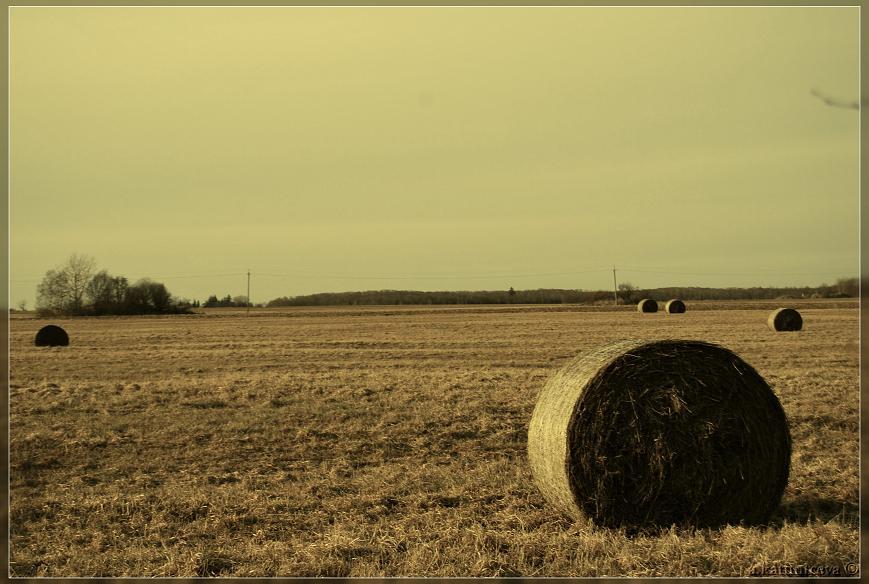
<point>628,294</point>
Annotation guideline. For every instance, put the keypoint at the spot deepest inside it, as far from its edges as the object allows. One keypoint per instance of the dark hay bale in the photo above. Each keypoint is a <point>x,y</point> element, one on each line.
<point>642,434</point>
<point>647,305</point>
<point>785,319</point>
<point>51,336</point>
<point>675,306</point>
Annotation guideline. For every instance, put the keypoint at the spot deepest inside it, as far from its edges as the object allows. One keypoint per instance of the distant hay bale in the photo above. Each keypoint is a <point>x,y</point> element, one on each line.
<point>675,306</point>
<point>641,434</point>
<point>647,305</point>
<point>785,319</point>
<point>51,336</point>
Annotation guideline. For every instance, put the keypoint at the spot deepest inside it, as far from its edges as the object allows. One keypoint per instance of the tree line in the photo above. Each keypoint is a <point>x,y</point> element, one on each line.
<point>78,289</point>
<point>387,297</point>
<point>627,294</point>
<point>226,301</point>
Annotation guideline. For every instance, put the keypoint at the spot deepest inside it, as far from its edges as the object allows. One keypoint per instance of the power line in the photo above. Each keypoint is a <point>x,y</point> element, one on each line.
<point>444,277</point>
<point>222,275</point>
<point>740,273</point>
<point>199,275</point>
<point>478,276</point>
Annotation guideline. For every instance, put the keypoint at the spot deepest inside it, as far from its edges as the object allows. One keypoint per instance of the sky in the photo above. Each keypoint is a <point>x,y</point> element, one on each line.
<point>334,149</point>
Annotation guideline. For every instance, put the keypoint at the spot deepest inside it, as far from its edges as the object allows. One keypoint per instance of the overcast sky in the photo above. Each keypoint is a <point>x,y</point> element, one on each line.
<point>331,149</point>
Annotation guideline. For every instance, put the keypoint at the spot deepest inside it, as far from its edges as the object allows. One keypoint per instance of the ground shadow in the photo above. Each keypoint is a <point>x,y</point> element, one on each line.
<point>797,510</point>
<point>809,508</point>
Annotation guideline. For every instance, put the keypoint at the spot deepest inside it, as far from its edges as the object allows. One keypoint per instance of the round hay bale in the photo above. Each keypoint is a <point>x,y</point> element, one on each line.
<point>51,336</point>
<point>642,434</point>
<point>675,306</point>
<point>647,305</point>
<point>785,319</point>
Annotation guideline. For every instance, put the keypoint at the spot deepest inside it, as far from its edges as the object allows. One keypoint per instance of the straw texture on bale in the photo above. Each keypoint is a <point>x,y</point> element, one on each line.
<point>675,306</point>
<point>51,336</point>
<point>785,319</point>
<point>647,305</point>
<point>643,434</point>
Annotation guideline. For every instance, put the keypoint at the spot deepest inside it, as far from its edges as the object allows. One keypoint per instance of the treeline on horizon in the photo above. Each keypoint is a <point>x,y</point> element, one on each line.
<point>844,288</point>
<point>77,289</point>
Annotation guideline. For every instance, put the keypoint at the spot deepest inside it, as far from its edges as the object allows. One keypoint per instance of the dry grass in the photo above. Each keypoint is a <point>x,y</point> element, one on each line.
<point>380,442</point>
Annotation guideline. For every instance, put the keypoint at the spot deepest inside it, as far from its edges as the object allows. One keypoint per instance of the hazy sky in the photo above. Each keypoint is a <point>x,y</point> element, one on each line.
<point>331,149</point>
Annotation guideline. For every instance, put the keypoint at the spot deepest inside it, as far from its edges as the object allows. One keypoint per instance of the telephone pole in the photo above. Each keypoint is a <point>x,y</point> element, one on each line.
<point>248,291</point>
<point>615,288</point>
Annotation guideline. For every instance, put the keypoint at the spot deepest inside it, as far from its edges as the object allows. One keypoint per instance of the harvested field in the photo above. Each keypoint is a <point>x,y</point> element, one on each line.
<point>383,441</point>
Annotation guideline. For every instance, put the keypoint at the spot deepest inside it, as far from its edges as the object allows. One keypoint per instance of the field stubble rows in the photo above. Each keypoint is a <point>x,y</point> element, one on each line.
<point>379,443</point>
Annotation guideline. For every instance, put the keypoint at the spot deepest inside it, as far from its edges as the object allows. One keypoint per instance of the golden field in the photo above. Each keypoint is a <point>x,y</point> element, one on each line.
<point>383,441</point>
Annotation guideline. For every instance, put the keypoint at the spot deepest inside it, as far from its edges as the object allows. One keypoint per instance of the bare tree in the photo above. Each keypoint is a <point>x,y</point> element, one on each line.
<point>80,269</point>
<point>52,294</point>
<point>833,102</point>
<point>62,289</point>
<point>848,287</point>
<point>158,295</point>
<point>626,292</point>
<point>120,285</point>
<point>101,292</point>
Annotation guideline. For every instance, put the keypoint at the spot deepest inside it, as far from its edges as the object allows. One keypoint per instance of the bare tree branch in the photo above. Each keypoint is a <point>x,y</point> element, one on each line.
<point>836,102</point>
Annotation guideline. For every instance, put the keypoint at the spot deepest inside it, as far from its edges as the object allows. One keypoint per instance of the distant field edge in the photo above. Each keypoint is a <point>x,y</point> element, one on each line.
<point>409,309</point>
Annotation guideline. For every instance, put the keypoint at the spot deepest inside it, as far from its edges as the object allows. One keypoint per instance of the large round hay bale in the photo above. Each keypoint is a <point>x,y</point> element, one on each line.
<point>641,434</point>
<point>675,306</point>
<point>647,305</point>
<point>785,319</point>
<point>51,335</point>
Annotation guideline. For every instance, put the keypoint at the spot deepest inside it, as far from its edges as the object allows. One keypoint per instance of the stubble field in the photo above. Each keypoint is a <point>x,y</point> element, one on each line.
<point>383,442</point>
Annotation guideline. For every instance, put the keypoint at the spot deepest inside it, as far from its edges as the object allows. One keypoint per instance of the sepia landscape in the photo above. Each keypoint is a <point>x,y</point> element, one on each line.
<point>384,441</point>
<point>434,291</point>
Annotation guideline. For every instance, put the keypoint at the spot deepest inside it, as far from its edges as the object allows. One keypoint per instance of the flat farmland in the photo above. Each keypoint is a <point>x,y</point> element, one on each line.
<point>383,441</point>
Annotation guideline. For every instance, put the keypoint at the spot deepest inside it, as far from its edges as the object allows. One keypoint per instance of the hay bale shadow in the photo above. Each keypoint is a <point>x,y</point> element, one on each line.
<point>809,508</point>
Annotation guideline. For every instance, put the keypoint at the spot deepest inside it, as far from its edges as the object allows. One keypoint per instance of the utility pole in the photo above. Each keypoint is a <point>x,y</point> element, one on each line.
<point>248,291</point>
<point>615,288</point>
